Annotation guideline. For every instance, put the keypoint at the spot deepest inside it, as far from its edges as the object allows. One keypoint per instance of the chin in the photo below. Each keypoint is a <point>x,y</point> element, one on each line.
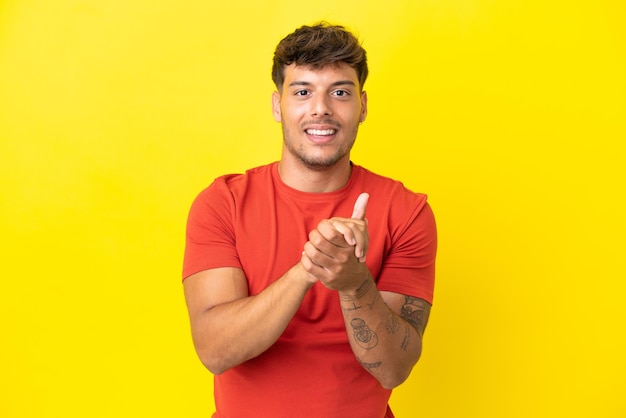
<point>321,164</point>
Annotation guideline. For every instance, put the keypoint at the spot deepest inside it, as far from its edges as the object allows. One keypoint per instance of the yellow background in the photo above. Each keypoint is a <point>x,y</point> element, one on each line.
<point>509,114</point>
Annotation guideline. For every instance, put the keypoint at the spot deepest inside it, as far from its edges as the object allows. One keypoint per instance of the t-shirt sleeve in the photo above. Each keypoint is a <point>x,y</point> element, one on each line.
<point>409,268</point>
<point>210,235</point>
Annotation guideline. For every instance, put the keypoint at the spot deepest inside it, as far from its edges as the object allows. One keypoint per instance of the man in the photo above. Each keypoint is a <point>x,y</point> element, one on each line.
<point>300,304</point>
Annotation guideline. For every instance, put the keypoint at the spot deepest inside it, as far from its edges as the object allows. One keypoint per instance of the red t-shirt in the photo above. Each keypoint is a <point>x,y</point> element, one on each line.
<point>257,223</point>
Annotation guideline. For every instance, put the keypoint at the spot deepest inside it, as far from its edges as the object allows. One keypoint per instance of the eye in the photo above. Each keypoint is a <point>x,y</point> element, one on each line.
<point>302,93</point>
<point>341,93</point>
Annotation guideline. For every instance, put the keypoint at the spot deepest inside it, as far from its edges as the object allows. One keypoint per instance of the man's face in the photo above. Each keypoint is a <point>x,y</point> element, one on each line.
<point>320,111</point>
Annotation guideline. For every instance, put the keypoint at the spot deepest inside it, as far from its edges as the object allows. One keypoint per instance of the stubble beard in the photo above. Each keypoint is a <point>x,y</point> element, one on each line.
<point>315,163</point>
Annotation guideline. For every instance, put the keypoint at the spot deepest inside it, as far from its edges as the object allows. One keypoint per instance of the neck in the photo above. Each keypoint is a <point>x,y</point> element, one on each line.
<point>297,176</point>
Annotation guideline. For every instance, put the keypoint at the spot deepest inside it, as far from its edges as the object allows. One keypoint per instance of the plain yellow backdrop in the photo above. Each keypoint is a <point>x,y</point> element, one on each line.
<point>509,114</point>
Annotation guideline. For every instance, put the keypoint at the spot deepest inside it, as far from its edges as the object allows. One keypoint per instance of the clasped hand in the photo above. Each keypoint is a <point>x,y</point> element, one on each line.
<point>335,252</point>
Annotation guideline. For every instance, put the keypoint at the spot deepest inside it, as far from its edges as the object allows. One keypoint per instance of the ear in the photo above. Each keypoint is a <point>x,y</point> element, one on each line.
<point>276,106</point>
<point>363,106</point>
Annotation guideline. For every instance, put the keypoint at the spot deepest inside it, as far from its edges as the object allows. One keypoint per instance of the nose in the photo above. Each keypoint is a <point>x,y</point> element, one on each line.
<point>320,106</point>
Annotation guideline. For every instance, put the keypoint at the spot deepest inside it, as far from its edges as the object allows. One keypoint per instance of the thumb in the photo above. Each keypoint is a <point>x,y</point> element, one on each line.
<point>359,206</point>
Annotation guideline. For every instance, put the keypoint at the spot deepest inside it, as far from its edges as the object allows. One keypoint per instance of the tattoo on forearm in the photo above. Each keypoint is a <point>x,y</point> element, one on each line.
<point>415,311</point>
<point>407,336</point>
<point>392,324</point>
<point>351,308</point>
<point>370,365</point>
<point>362,290</point>
<point>364,336</point>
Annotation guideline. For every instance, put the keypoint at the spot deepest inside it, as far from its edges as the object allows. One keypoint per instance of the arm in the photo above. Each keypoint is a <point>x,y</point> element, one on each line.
<point>228,326</point>
<point>384,328</point>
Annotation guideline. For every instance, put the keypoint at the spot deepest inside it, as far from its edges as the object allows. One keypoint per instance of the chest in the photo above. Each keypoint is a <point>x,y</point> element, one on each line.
<point>271,233</point>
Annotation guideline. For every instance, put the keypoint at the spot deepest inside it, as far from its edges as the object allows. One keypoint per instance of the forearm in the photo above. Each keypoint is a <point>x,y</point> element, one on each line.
<point>385,344</point>
<point>230,333</point>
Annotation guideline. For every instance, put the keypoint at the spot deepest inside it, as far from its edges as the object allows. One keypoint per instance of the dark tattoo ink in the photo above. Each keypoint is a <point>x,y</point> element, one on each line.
<point>362,290</point>
<point>352,308</point>
<point>405,341</point>
<point>364,336</point>
<point>392,324</point>
<point>370,365</point>
<point>415,311</point>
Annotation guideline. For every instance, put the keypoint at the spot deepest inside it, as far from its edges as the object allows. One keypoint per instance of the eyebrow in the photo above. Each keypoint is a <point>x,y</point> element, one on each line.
<point>335,84</point>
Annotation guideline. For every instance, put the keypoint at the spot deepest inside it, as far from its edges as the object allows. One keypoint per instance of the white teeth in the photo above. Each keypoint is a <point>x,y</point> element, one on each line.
<point>320,132</point>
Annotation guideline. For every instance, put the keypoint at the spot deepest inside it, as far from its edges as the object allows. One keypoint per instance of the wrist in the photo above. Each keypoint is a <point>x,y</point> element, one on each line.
<point>359,291</point>
<point>301,275</point>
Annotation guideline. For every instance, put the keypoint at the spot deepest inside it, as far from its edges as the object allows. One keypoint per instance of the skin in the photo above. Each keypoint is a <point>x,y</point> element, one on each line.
<point>328,99</point>
<point>320,111</point>
<point>385,329</point>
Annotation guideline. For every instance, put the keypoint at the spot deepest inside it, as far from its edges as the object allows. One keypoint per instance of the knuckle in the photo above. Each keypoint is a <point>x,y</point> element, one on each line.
<point>316,240</point>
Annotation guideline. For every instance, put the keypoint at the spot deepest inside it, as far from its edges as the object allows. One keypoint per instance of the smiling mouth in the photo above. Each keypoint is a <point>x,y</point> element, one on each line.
<point>320,132</point>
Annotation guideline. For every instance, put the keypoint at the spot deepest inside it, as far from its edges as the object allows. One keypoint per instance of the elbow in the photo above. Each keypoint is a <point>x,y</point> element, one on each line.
<point>214,367</point>
<point>214,363</point>
<point>214,359</point>
<point>398,375</point>
<point>395,380</point>
<point>217,357</point>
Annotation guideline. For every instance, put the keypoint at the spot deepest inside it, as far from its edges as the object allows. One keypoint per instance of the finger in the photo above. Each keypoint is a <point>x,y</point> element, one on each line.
<point>359,206</point>
<point>317,257</point>
<point>323,246</point>
<point>360,250</point>
<point>353,235</point>
<point>309,265</point>
<point>343,229</point>
<point>328,231</point>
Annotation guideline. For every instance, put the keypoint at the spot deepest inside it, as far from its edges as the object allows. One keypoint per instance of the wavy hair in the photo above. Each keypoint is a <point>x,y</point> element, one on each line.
<point>316,47</point>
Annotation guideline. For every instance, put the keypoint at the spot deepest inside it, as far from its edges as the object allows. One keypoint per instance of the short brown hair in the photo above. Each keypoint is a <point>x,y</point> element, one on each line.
<point>316,47</point>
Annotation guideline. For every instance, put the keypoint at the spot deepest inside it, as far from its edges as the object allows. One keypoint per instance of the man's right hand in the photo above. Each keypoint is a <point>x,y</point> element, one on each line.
<point>335,253</point>
<point>355,234</point>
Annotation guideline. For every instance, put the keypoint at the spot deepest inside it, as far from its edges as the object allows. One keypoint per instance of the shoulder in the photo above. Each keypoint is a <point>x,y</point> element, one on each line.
<point>389,190</point>
<point>236,183</point>
<point>227,192</point>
